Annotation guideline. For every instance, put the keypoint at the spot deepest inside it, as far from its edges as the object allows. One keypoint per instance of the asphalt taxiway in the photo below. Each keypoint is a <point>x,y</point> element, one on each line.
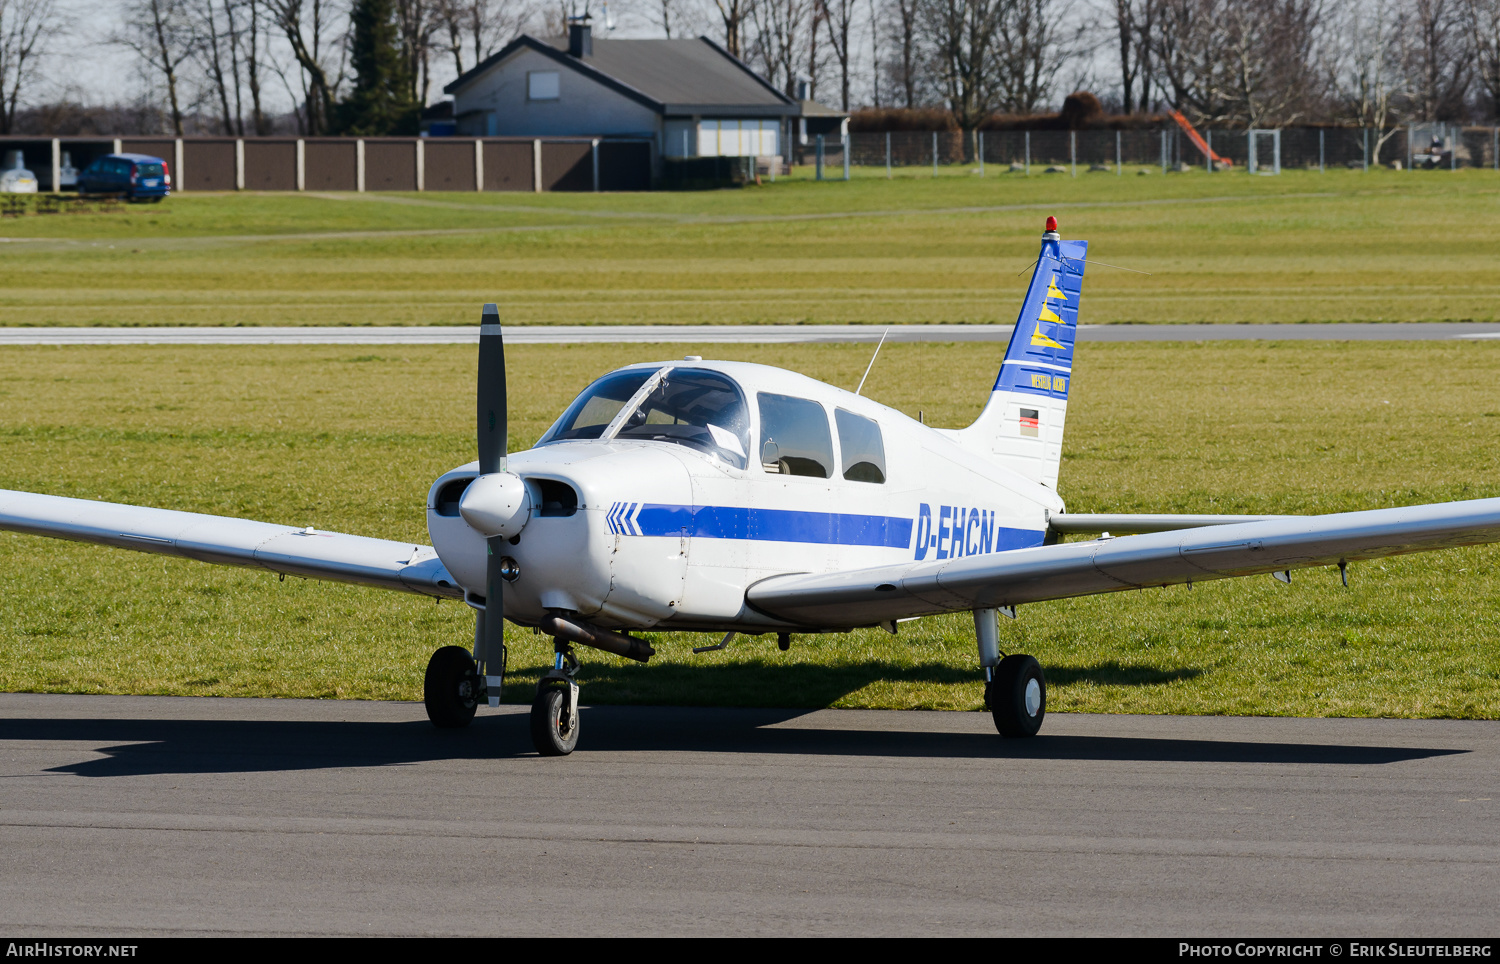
<point>728,334</point>
<point>152,815</point>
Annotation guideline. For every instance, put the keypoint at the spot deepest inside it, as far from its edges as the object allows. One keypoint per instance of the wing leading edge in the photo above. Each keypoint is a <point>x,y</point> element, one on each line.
<point>232,542</point>
<point>866,597</point>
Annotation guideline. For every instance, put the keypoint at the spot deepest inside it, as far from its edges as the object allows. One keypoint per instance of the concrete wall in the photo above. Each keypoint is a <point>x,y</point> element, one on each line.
<point>362,164</point>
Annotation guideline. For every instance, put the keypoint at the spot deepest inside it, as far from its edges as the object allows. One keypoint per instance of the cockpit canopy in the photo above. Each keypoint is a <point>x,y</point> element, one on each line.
<point>696,407</point>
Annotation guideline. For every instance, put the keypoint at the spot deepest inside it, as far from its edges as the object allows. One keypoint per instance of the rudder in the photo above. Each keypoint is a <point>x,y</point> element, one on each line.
<point>1022,425</point>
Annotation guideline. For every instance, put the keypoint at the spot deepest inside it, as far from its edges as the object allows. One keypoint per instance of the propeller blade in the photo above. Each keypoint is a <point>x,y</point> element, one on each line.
<point>491,634</point>
<point>491,393</point>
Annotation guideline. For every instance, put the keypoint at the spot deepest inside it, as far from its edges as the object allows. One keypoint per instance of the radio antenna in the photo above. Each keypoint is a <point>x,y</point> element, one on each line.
<point>872,359</point>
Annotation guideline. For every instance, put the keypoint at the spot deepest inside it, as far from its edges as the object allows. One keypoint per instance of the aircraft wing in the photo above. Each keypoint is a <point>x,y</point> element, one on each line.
<point>866,597</point>
<point>233,542</point>
<point>1138,522</point>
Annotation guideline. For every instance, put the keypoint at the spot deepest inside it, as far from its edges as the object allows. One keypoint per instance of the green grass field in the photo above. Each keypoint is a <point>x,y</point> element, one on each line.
<point>1302,247</point>
<point>349,439</point>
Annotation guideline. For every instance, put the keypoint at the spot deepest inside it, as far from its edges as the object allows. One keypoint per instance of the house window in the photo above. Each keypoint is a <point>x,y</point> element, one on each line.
<point>738,138</point>
<point>542,85</point>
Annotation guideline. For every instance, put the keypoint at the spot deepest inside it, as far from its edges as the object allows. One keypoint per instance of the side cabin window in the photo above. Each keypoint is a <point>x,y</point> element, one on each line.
<point>860,445</point>
<point>597,406</point>
<point>794,437</point>
<point>701,409</point>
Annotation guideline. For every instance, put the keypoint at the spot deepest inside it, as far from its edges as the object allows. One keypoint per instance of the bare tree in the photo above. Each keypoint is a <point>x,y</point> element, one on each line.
<point>1437,62</point>
<point>25,26</point>
<point>839,15</point>
<point>161,33</point>
<point>1246,62</point>
<point>1483,25</point>
<point>1365,69</point>
<point>963,34</point>
<point>217,51</point>
<point>819,15</point>
<point>780,32</point>
<point>906,28</point>
<point>416,22</point>
<point>252,49</point>
<point>315,35</point>
<point>480,26</point>
<point>1027,54</point>
<point>734,14</point>
<point>1130,24</point>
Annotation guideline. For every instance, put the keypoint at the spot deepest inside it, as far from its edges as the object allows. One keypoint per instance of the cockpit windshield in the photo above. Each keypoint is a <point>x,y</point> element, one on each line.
<point>597,406</point>
<point>701,409</point>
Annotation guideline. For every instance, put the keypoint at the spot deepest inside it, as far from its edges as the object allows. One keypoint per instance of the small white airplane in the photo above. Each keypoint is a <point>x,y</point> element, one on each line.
<point>737,498</point>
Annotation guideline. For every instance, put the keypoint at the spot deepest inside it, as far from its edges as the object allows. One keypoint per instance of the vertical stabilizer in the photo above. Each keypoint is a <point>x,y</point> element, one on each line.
<point>1022,425</point>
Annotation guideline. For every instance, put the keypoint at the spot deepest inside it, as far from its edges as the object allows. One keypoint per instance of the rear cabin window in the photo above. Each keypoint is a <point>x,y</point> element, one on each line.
<point>860,446</point>
<point>597,406</point>
<point>148,170</point>
<point>701,409</point>
<point>794,436</point>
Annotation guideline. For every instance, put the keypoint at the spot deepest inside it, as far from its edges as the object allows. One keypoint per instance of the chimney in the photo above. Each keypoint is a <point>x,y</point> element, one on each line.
<point>803,90</point>
<point>580,37</point>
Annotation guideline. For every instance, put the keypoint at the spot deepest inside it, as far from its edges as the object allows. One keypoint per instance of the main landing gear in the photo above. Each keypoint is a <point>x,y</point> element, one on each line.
<point>452,688</point>
<point>1014,689</point>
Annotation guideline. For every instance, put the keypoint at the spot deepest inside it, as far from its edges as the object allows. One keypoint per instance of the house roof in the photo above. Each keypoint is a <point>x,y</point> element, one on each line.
<point>678,76</point>
<point>811,108</point>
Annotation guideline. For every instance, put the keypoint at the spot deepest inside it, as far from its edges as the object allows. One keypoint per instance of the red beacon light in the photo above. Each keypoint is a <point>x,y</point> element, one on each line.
<point>1051,224</point>
<point>1051,233</point>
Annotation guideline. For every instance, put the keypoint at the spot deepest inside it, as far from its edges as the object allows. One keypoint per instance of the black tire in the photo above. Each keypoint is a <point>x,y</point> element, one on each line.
<point>1017,696</point>
<point>547,716</point>
<point>451,688</point>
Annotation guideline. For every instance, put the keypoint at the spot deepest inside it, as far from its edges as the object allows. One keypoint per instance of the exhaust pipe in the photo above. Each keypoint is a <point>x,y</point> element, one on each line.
<point>575,630</point>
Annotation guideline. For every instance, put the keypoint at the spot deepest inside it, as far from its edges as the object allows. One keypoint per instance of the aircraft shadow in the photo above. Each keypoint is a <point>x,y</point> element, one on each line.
<point>154,747</point>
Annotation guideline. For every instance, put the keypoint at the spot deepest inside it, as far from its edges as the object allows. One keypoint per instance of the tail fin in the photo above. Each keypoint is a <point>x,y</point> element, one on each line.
<point>1022,426</point>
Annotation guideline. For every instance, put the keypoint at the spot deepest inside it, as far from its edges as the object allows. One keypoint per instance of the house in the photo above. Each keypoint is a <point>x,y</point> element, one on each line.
<point>689,97</point>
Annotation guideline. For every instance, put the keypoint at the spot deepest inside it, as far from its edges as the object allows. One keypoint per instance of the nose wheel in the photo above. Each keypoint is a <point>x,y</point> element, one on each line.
<point>554,712</point>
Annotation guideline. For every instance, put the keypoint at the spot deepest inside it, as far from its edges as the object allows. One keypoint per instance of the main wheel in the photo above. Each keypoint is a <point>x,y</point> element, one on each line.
<point>451,687</point>
<point>1017,696</point>
<point>552,733</point>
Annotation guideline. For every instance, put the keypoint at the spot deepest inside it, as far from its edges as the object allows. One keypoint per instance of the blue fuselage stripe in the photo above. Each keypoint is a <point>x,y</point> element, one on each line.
<point>774,525</point>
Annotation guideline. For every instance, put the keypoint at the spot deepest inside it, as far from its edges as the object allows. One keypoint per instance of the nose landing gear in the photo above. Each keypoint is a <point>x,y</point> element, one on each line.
<point>554,712</point>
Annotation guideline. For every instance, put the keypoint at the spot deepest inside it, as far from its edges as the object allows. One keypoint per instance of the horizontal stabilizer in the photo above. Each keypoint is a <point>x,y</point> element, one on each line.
<point>231,542</point>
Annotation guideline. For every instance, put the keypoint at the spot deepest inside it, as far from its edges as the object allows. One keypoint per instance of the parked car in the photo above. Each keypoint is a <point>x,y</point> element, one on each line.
<point>138,177</point>
<point>16,179</point>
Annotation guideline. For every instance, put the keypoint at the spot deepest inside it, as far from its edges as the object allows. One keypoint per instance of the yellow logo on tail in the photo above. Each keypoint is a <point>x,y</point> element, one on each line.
<point>1039,340</point>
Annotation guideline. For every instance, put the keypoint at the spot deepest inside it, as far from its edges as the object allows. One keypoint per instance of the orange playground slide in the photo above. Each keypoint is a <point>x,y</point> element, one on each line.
<point>1198,140</point>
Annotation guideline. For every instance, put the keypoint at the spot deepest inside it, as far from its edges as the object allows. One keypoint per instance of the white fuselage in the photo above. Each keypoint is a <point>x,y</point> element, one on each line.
<point>665,535</point>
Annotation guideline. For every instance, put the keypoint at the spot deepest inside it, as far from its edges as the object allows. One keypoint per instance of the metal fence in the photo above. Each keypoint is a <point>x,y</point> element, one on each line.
<point>1037,151</point>
<point>355,164</point>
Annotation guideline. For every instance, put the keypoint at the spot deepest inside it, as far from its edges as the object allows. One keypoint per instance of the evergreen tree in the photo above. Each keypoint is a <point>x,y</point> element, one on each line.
<point>380,103</point>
